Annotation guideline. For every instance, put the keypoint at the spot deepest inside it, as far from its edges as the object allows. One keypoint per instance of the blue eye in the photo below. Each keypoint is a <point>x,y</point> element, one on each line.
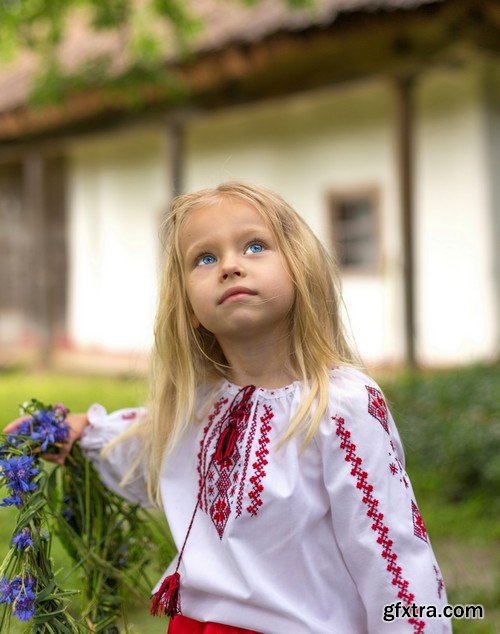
<point>255,246</point>
<point>259,246</point>
<point>203,259</point>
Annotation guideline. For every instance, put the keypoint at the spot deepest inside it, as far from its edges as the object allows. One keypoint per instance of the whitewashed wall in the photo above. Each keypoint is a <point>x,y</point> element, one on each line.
<point>116,193</point>
<point>303,147</point>
<point>456,291</point>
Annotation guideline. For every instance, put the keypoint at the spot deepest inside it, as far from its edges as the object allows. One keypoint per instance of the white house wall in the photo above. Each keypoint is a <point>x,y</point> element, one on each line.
<point>454,248</point>
<point>117,189</point>
<point>302,148</point>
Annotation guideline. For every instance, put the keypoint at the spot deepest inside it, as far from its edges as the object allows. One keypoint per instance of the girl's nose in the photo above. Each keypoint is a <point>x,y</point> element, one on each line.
<point>231,268</point>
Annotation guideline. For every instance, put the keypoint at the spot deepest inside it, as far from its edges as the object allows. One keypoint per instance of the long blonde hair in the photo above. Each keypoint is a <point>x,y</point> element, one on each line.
<point>186,357</point>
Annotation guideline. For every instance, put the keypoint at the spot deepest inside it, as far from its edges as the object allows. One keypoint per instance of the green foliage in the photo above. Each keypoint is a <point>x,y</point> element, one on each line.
<point>41,25</point>
<point>110,14</point>
<point>54,85</point>
<point>450,424</point>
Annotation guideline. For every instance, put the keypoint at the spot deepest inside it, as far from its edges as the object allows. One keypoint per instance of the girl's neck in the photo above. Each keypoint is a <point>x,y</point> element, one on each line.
<point>270,382</point>
<point>264,363</point>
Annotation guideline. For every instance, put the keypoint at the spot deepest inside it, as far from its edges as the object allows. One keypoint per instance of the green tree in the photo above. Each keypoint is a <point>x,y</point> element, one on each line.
<point>40,26</point>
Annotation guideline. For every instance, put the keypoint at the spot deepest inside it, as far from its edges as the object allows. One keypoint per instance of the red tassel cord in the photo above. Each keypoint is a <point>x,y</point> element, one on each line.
<point>167,600</point>
<point>225,444</point>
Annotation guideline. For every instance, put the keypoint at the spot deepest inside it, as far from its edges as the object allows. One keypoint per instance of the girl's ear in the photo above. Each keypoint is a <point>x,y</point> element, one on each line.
<point>194,321</point>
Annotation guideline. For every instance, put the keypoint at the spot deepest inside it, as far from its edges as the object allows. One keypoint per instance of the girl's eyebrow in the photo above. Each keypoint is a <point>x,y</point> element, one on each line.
<point>205,243</point>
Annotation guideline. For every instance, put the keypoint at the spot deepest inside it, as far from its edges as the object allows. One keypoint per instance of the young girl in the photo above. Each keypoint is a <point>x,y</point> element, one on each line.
<point>275,458</point>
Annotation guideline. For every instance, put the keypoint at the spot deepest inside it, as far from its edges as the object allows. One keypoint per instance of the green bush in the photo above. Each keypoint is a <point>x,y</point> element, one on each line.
<point>450,425</point>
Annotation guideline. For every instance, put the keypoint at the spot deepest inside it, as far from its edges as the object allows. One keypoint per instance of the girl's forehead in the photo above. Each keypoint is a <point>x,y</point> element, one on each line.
<point>213,218</point>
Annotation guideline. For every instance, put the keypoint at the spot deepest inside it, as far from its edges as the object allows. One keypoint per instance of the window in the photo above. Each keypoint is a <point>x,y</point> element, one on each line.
<point>354,219</point>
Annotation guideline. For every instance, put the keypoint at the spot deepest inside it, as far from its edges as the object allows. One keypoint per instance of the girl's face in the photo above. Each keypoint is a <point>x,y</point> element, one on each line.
<point>229,245</point>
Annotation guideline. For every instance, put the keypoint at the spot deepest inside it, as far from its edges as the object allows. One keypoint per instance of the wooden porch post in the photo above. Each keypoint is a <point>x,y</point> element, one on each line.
<point>404,139</point>
<point>176,154</point>
<point>34,199</point>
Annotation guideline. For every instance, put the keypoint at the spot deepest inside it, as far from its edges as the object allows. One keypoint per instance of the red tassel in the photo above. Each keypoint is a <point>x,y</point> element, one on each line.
<point>166,600</point>
<point>225,444</point>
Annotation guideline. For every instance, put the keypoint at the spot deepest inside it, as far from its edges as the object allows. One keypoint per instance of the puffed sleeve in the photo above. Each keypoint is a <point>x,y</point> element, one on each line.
<point>102,429</point>
<point>376,520</point>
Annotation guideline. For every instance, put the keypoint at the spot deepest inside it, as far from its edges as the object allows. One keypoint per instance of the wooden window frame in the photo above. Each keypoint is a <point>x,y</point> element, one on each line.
<point>336,196</point>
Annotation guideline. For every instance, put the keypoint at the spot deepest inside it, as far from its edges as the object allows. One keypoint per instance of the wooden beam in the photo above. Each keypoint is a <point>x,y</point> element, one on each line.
<point>404,148</point>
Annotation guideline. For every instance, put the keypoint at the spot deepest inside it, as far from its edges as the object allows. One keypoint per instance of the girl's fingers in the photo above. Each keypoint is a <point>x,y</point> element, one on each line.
<point>54,457</point>
<point>76,422</point>
<point>14,424</point>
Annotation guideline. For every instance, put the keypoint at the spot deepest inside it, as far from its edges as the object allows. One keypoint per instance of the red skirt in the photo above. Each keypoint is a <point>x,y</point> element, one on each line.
<point>180,624</point>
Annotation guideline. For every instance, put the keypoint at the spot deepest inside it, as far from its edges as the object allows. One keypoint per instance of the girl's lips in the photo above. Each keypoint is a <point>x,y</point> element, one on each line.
<point>236,296</point>
<point>236,290</point>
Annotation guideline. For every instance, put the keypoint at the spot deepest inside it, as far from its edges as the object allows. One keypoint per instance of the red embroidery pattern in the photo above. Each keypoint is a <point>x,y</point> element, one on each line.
<point>248,449</point>
<point>377,407</point>
<point>260,463</point>
<point>203,455</point>
<point>378,526</point>
<point>223,477</point>
<point>418,523</point>
<point>439,580</point>
<point>129,415</point>
<point>396,467</point>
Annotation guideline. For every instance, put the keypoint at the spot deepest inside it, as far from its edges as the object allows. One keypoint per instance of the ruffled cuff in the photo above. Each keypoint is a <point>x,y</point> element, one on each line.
<point>115,465</point>
<point>104,427</point>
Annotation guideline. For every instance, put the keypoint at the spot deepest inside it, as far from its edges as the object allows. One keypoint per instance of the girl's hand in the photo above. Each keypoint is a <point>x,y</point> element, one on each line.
<point>76,422</point>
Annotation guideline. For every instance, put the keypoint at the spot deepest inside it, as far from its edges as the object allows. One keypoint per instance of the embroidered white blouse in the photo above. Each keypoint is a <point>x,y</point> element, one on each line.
<point>285,542</point>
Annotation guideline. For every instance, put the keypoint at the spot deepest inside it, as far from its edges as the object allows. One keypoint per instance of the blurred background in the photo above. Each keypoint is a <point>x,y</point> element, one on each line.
<point>379,121</point>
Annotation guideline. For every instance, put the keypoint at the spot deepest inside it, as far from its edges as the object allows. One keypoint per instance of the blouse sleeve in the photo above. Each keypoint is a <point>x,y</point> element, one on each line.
<point>376,520</point>
<point>102,429</point>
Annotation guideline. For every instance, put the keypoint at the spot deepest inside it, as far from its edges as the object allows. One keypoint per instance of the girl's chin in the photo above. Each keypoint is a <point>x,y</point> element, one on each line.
<point>242,330</point>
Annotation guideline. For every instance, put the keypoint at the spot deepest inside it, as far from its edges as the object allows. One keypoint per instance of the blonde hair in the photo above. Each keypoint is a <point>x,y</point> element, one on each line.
<point>186,357</point>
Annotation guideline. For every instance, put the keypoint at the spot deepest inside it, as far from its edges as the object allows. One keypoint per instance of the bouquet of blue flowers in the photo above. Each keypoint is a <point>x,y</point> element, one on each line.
<point>107,537</point>
<point>27,581</point>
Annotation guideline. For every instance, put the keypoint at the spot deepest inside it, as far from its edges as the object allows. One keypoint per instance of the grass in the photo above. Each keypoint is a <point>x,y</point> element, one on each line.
<point>449,422</point>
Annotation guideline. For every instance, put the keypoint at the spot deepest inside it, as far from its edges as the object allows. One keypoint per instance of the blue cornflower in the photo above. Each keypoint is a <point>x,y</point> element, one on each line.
<point>23,539</point>
<point>6,591</point>
<point>13,500</point>
<point>49,428</point>
<point>24,602</point>
<point>24,606</point>
<point>18,472</point>
<point>16,437</point>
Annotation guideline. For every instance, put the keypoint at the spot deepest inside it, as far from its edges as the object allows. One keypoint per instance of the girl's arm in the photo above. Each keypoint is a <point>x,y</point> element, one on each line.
<point>375,516</point>
<point>121,460</point>
<point>94,430</point>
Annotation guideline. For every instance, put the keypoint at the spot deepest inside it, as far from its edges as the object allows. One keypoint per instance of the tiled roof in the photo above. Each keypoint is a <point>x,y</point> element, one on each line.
<point>225,22</point>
